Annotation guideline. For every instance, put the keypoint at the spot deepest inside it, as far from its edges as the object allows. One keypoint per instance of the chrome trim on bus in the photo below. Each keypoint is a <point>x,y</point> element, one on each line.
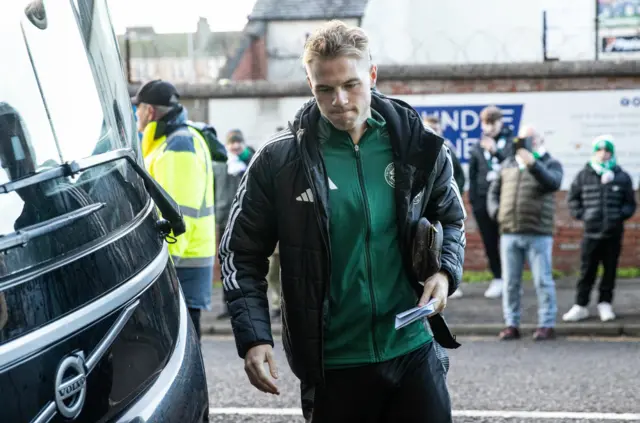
<point>81,251</point>
<point>147,404</point>
<point>62,328</point>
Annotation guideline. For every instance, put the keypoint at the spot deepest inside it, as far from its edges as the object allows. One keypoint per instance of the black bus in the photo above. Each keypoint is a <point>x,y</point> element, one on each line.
<point>93,324</point>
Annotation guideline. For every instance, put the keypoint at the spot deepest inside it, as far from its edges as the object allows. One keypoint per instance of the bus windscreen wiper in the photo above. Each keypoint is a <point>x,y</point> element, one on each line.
<point>21,237</point>
<point>167,206</point>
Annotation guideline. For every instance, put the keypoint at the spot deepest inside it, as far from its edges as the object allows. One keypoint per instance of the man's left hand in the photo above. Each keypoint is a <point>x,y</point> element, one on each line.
<point>526,156</point>
<point>436,287</point>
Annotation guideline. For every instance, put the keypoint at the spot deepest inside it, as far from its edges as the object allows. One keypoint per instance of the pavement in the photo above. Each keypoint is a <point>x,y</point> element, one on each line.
<point>569,380</point>
<point>474,315</point>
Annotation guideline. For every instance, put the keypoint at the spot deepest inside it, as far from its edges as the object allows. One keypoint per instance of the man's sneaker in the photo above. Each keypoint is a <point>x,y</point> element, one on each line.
<point>576,313</point>
<point>544,334</point>
<point>606,312</point>
<point>509,333</point>
<point>456,294</point>
<point>495,289</point>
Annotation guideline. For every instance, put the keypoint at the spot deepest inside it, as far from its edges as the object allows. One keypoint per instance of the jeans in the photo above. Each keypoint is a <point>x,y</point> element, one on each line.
<point>537,249</point>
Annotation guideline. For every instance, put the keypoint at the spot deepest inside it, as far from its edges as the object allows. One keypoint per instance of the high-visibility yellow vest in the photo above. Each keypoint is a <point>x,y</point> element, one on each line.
<point>181,164</point>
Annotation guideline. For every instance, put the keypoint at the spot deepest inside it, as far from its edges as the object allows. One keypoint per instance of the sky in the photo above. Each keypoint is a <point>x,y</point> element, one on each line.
<point>179,15</point>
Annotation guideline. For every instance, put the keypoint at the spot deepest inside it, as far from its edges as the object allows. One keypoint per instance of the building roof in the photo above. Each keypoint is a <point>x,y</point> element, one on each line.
<point>275,10</point>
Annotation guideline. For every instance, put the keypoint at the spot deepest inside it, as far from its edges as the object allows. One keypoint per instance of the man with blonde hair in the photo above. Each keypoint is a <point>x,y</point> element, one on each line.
<point>341,190</point>
<point>522,200</point>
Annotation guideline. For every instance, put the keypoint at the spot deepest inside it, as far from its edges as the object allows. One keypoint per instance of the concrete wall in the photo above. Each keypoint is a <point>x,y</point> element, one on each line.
<point>284,43</point>
<point>179,70</point>
<point>488,31</point>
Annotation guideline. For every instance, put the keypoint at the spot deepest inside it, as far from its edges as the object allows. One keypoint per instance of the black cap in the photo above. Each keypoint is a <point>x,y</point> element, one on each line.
<point>157,93</point>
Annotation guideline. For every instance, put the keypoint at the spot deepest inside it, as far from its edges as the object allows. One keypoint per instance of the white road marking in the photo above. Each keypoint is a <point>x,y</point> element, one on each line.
<point>536,415</point>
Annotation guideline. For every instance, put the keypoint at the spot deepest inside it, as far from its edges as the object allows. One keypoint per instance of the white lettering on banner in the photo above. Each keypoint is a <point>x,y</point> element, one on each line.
<point>568,120</point>
<point>460,123</point>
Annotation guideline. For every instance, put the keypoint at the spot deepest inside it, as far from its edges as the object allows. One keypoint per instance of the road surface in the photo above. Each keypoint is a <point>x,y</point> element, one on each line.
<point>569,380</point>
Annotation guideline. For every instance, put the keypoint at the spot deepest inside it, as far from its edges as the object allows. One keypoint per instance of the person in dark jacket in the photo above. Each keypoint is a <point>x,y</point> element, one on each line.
<point>602,197</point>
<point>485,160</point>
<point>458,172</point>
<point>341,189</point>
<point>226,179</point>
<point>522,200</point>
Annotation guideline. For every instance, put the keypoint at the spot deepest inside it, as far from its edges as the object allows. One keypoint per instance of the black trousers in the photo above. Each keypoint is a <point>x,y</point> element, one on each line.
<point>411,388</point>
<point>490,234</point>
<point>195,313</point>
<point>594,252</point>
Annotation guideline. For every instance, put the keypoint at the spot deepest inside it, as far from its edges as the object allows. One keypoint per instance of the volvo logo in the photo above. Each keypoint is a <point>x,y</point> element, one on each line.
<point>71,385</point>
<point>71,376</point>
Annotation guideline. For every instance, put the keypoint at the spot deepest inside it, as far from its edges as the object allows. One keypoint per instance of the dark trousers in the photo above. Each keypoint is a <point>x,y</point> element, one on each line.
<point>195,313</point>
<point>411,388</point>
<point>594,252</point>
<point>219,232</point>
<point>490,233</point>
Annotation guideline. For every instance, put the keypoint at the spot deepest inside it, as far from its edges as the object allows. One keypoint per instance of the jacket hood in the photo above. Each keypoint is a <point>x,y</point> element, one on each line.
<point>171,121</point>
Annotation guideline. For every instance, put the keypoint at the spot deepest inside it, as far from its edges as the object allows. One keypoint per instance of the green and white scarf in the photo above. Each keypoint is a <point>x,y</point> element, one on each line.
<point>609,165</point>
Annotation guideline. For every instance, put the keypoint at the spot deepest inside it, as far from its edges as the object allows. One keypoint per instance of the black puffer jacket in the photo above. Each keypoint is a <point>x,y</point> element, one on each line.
<point>265,211</point>
<point>602,207</point>
<point>479,168</point>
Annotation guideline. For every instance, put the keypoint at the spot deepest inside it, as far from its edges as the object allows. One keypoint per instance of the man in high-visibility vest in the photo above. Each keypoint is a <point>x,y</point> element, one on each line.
<point>177,156</point>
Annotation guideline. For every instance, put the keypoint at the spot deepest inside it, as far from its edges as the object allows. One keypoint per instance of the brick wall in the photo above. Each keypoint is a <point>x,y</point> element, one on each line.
<point>567,238</point>
<point>253,64</point>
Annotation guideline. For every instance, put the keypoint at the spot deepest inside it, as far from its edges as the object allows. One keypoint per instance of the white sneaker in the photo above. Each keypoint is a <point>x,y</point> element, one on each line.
<point>576,314</point>
<point>606,312</point>
<point>456,294</point>
<point>495,289</point>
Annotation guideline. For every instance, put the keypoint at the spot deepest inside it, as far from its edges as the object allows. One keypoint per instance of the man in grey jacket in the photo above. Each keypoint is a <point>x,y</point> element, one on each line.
<point>522,199</point>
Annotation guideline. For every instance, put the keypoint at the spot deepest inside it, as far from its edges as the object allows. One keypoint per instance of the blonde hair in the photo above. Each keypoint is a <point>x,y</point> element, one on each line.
<point>336,39</point>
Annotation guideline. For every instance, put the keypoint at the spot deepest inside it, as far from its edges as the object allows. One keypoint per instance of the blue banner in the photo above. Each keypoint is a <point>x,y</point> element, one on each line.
<point>461,124</point>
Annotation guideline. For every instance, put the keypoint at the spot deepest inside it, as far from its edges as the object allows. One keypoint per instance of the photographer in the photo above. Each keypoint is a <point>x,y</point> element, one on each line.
<point>522,199</point>
<point>485,161</point>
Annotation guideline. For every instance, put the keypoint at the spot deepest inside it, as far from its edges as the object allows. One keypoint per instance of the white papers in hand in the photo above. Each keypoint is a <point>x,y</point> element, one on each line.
<point>410,316</point>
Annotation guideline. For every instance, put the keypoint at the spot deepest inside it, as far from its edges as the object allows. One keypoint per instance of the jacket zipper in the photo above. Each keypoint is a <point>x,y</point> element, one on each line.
<point>325,239</point>
<point>367,247</point>
<point>603,197</point>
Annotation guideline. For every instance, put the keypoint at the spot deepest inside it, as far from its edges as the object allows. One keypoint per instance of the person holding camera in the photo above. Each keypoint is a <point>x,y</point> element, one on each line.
<point>602,197</point>
<point>485,161</point>
<point>522,200</point>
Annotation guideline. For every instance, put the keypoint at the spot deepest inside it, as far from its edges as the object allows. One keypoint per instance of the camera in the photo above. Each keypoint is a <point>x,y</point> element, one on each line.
<point>526,143</point>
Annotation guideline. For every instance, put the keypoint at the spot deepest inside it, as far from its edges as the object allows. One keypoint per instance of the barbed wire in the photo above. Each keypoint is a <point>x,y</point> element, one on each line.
<point>510,45</point>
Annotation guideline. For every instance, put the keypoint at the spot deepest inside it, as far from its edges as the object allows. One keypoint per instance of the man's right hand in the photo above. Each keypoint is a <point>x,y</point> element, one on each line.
<point>254,366</point>
<point>488,144</point>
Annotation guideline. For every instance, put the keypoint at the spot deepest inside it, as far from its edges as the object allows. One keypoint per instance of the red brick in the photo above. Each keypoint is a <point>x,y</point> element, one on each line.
<point>567,239</point>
